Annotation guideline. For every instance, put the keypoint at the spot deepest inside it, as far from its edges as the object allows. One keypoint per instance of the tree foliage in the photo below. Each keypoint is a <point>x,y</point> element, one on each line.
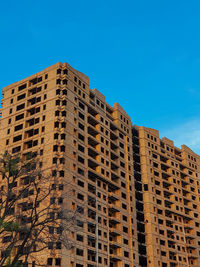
<point>33,211</point>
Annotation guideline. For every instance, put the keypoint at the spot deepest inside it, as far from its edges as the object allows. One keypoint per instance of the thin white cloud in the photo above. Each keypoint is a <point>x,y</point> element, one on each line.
<point>187,134</point>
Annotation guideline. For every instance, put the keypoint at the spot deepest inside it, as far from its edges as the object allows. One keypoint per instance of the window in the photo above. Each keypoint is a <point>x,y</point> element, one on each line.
<point>64,81</point>
<point>145,187</point>
<point>81,126</point>
<point>81,116</point>
<point>124,206</point>
<point>123,195</point>
<point>62,173</point>
<point>81,148</point>
<point>19,117</point>
<point>65,71</point>
<point>81,106</point>
<point>17,138</point>
<point>19,107</point>
<point>58,246</point>
<point>126,254</point>
<point>55,148</point>
<point>80,171</point>
<point>62,136</point>
<point>21,97</point>
<point>63,124</point>
<point>62,148</point>
<point>79,238</point>
<point>57,112</point>
<point>80,159</point>
<point>79,252</point>
<point>49,261</point>
<point>63,113</point>
<point>58,262</point>
<point>124,218</point>
<point>81,137</point>
<point>125,229</point>
<point>58,71</point>
<point>50,245</point>
<point>57,102</point>
<point>16,149</point>
<point>21,87</point>
<point>125,241</point>
<point>80,196</point>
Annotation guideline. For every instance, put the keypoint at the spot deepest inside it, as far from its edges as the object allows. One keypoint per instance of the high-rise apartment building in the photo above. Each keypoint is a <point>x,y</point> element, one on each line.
<point>138,194</point>
<point>72,128</point>
<point>167,183</point>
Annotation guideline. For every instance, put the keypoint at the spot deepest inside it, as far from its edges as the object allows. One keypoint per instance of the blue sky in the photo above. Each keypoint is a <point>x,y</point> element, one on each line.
<point>143,54</point>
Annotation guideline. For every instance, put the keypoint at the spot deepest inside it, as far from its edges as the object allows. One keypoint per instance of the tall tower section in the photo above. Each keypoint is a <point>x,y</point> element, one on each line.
<point>170,179</point>
<point>88,146</point>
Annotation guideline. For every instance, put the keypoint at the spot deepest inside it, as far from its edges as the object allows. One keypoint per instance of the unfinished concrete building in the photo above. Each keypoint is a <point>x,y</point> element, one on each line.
<point>138,194</point>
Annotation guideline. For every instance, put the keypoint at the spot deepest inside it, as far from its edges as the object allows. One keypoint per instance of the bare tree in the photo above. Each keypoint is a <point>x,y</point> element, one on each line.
<point>33,215</point>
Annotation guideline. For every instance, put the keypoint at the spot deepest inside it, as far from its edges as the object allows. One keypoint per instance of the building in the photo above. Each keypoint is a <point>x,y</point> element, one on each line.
<point>138,193</point>
<point>56,114</point>
<point>167,183</point>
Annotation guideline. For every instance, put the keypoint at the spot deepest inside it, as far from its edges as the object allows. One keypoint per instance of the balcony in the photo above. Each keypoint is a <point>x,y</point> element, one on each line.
<point>92,112</point>
<point>114,231</point>
<point>113,147</point>
<point>92,153</point>
<point>92,121</point>
<point>114,167</point>
<point>33,101</point>
<point>166,185</point>
<point>113,127</point>
<point>92,131</point>
<point>92,142</point>
<point>192,253</point>
<point>115,178</point>
<point>168,195</point>
<point>113,136</point>
<point>92,228</point>
<point>94,175</point>
<point>114,207</point>
<point>171,244</point>
<point>113,156</point>
<point>114,219</point>
<point>166,176</point>
<point>113,196</point>
<point>91,255</point>
<point>92,164</point>
<point>115,254</point>
<point>91,241</point>
<point>114,244</point>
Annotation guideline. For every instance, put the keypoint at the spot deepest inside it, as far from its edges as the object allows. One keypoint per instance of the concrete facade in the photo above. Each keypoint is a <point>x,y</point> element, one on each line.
<point>73,129</point>
<point>139,193</point>
<point>169,192</point>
